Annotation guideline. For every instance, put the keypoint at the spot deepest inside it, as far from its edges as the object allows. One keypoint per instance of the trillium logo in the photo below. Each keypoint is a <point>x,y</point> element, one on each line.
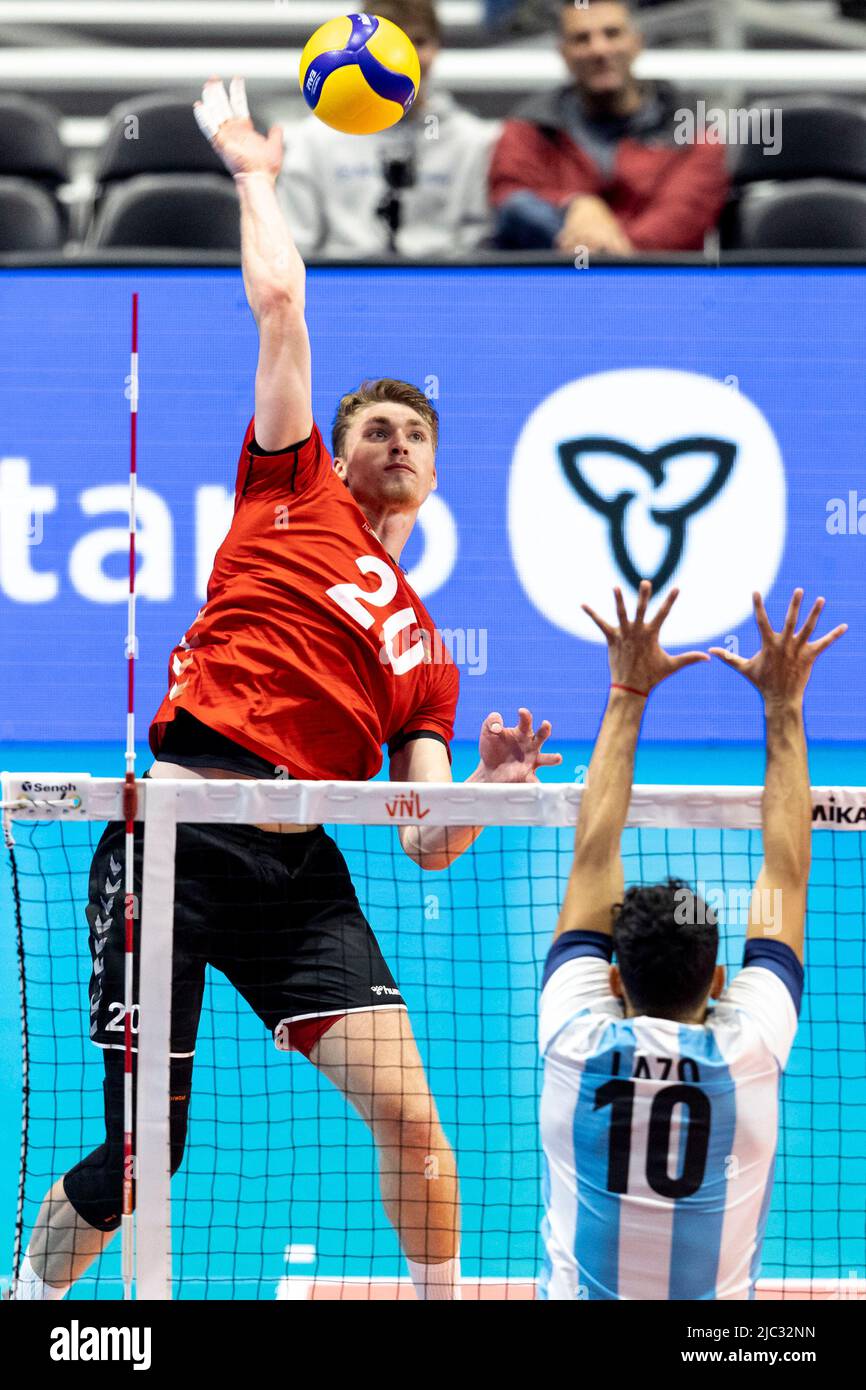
<point>674,477</point>
<point>620,498</point>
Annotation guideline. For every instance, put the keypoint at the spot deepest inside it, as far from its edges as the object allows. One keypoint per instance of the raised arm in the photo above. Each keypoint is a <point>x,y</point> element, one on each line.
<point>274,273</point>
<point>637,665</point>
<point>781,671</point>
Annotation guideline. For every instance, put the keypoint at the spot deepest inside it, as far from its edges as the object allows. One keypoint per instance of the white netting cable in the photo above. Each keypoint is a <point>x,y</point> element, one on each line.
<point>44,796</point>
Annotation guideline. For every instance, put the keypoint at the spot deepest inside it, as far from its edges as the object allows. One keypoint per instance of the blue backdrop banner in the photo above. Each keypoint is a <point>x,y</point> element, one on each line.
<point>700,427</point>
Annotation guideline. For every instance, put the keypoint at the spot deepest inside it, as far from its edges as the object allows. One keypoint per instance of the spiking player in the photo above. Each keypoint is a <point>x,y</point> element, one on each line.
<point>659,1114</point>
<point>310,653</point>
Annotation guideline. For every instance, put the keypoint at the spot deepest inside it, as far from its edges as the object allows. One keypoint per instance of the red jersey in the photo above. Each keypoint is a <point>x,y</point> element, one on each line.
<point>311,649</point>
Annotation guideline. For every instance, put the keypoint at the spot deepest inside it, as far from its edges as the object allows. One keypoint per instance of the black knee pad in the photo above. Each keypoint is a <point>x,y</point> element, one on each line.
<point>95,1185</point>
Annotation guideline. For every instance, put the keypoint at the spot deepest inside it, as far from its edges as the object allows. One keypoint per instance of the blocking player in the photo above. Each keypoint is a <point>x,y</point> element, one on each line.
<point>310,653</point>
<point>659,1112</point>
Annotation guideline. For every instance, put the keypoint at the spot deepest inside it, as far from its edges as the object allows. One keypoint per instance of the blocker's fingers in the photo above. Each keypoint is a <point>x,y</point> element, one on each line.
<point>761,616</point>
<point>524,721</point>
<point>666,607</point>
<point>544,730</point>
<point>793,611</point>
<point>738,662</point>
<point>824,642</point>
<point>688,659</point>
<point>811,622</point>
<point>238,98</point>
<point>599,622</point>
<point>620,608</point>
<point>494,723</point>
<point>549,760</point>
<point>643,598</point>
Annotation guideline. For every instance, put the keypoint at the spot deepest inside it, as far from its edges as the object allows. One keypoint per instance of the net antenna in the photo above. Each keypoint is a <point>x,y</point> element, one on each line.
<point>130,807</point>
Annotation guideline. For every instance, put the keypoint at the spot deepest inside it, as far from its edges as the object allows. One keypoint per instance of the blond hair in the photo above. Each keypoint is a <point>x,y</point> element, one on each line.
<point>371,392</point>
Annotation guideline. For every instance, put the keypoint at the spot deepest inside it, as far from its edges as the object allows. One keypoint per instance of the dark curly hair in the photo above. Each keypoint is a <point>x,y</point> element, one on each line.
<point>666,940</point>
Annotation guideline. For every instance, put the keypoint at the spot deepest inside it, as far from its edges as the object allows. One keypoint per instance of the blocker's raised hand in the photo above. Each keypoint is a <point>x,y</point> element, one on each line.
<point>225,120</point>
<point>781,669</point>
<point>637,661</point>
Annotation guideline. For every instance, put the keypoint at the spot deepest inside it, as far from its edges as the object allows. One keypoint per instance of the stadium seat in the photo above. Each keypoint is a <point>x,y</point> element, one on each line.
<point>823,137</point>
<point>31,219</point>
<point>32,152</point>
<point>808,215</point>
<point>198,211</point>
<point>30,144</point>
<point>153,140</point>
<point>155,134</point>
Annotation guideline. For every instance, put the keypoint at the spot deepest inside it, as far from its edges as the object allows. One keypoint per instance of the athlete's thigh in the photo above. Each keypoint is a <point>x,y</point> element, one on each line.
<point>372,1057</point>
<point>301,950</point>
<point>107,941</point>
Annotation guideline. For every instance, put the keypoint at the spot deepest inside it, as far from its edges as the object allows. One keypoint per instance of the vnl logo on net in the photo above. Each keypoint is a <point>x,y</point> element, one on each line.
<point>647,473</point>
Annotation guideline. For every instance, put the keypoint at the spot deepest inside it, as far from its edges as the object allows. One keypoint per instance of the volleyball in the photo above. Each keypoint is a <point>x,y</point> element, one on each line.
<point>359,73</point>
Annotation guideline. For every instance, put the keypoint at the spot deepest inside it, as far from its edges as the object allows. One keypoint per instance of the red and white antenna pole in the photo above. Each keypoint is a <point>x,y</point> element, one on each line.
<point>130,806</point>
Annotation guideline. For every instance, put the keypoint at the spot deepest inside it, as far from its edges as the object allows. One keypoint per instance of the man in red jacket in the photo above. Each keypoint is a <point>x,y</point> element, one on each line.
<point>596,163</point>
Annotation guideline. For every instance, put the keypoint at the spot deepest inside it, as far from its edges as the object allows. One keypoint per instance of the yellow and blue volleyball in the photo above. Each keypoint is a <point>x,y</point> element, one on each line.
<point>359,73</point>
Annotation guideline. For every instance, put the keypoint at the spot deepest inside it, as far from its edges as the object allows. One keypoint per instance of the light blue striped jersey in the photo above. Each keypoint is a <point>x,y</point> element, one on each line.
<point>659,1137</point>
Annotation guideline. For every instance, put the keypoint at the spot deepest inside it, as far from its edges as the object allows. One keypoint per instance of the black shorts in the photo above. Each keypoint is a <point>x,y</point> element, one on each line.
<point>276,913</point>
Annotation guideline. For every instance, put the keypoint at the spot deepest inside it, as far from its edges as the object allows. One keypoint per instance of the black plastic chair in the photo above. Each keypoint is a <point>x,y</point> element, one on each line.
<point>183,211</point>
<point>30,143</point>
<point>823,137</point>
<point>155,134</point>
<point>806,215</point>
<point>30,217</point>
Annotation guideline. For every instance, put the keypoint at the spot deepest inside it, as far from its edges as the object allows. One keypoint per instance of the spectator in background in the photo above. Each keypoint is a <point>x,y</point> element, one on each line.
<point>500,16</point>
<point>594,163</point>
<point>419,189</point>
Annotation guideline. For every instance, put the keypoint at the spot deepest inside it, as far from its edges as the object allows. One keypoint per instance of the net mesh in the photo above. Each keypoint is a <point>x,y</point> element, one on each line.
<point>278,1193</point>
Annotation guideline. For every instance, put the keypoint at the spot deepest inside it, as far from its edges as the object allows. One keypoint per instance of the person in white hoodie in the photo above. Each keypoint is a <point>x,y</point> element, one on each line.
<point>418,189</point>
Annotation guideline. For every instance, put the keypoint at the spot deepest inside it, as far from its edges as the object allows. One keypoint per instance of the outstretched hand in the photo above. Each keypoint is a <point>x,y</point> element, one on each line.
<point>513,755</point>
<point>636,658</point>
<point>781,669</point>
<point>225,120</point>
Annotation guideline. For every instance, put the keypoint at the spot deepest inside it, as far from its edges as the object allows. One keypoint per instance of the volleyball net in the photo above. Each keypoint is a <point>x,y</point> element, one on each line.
<point>278,1192</point>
